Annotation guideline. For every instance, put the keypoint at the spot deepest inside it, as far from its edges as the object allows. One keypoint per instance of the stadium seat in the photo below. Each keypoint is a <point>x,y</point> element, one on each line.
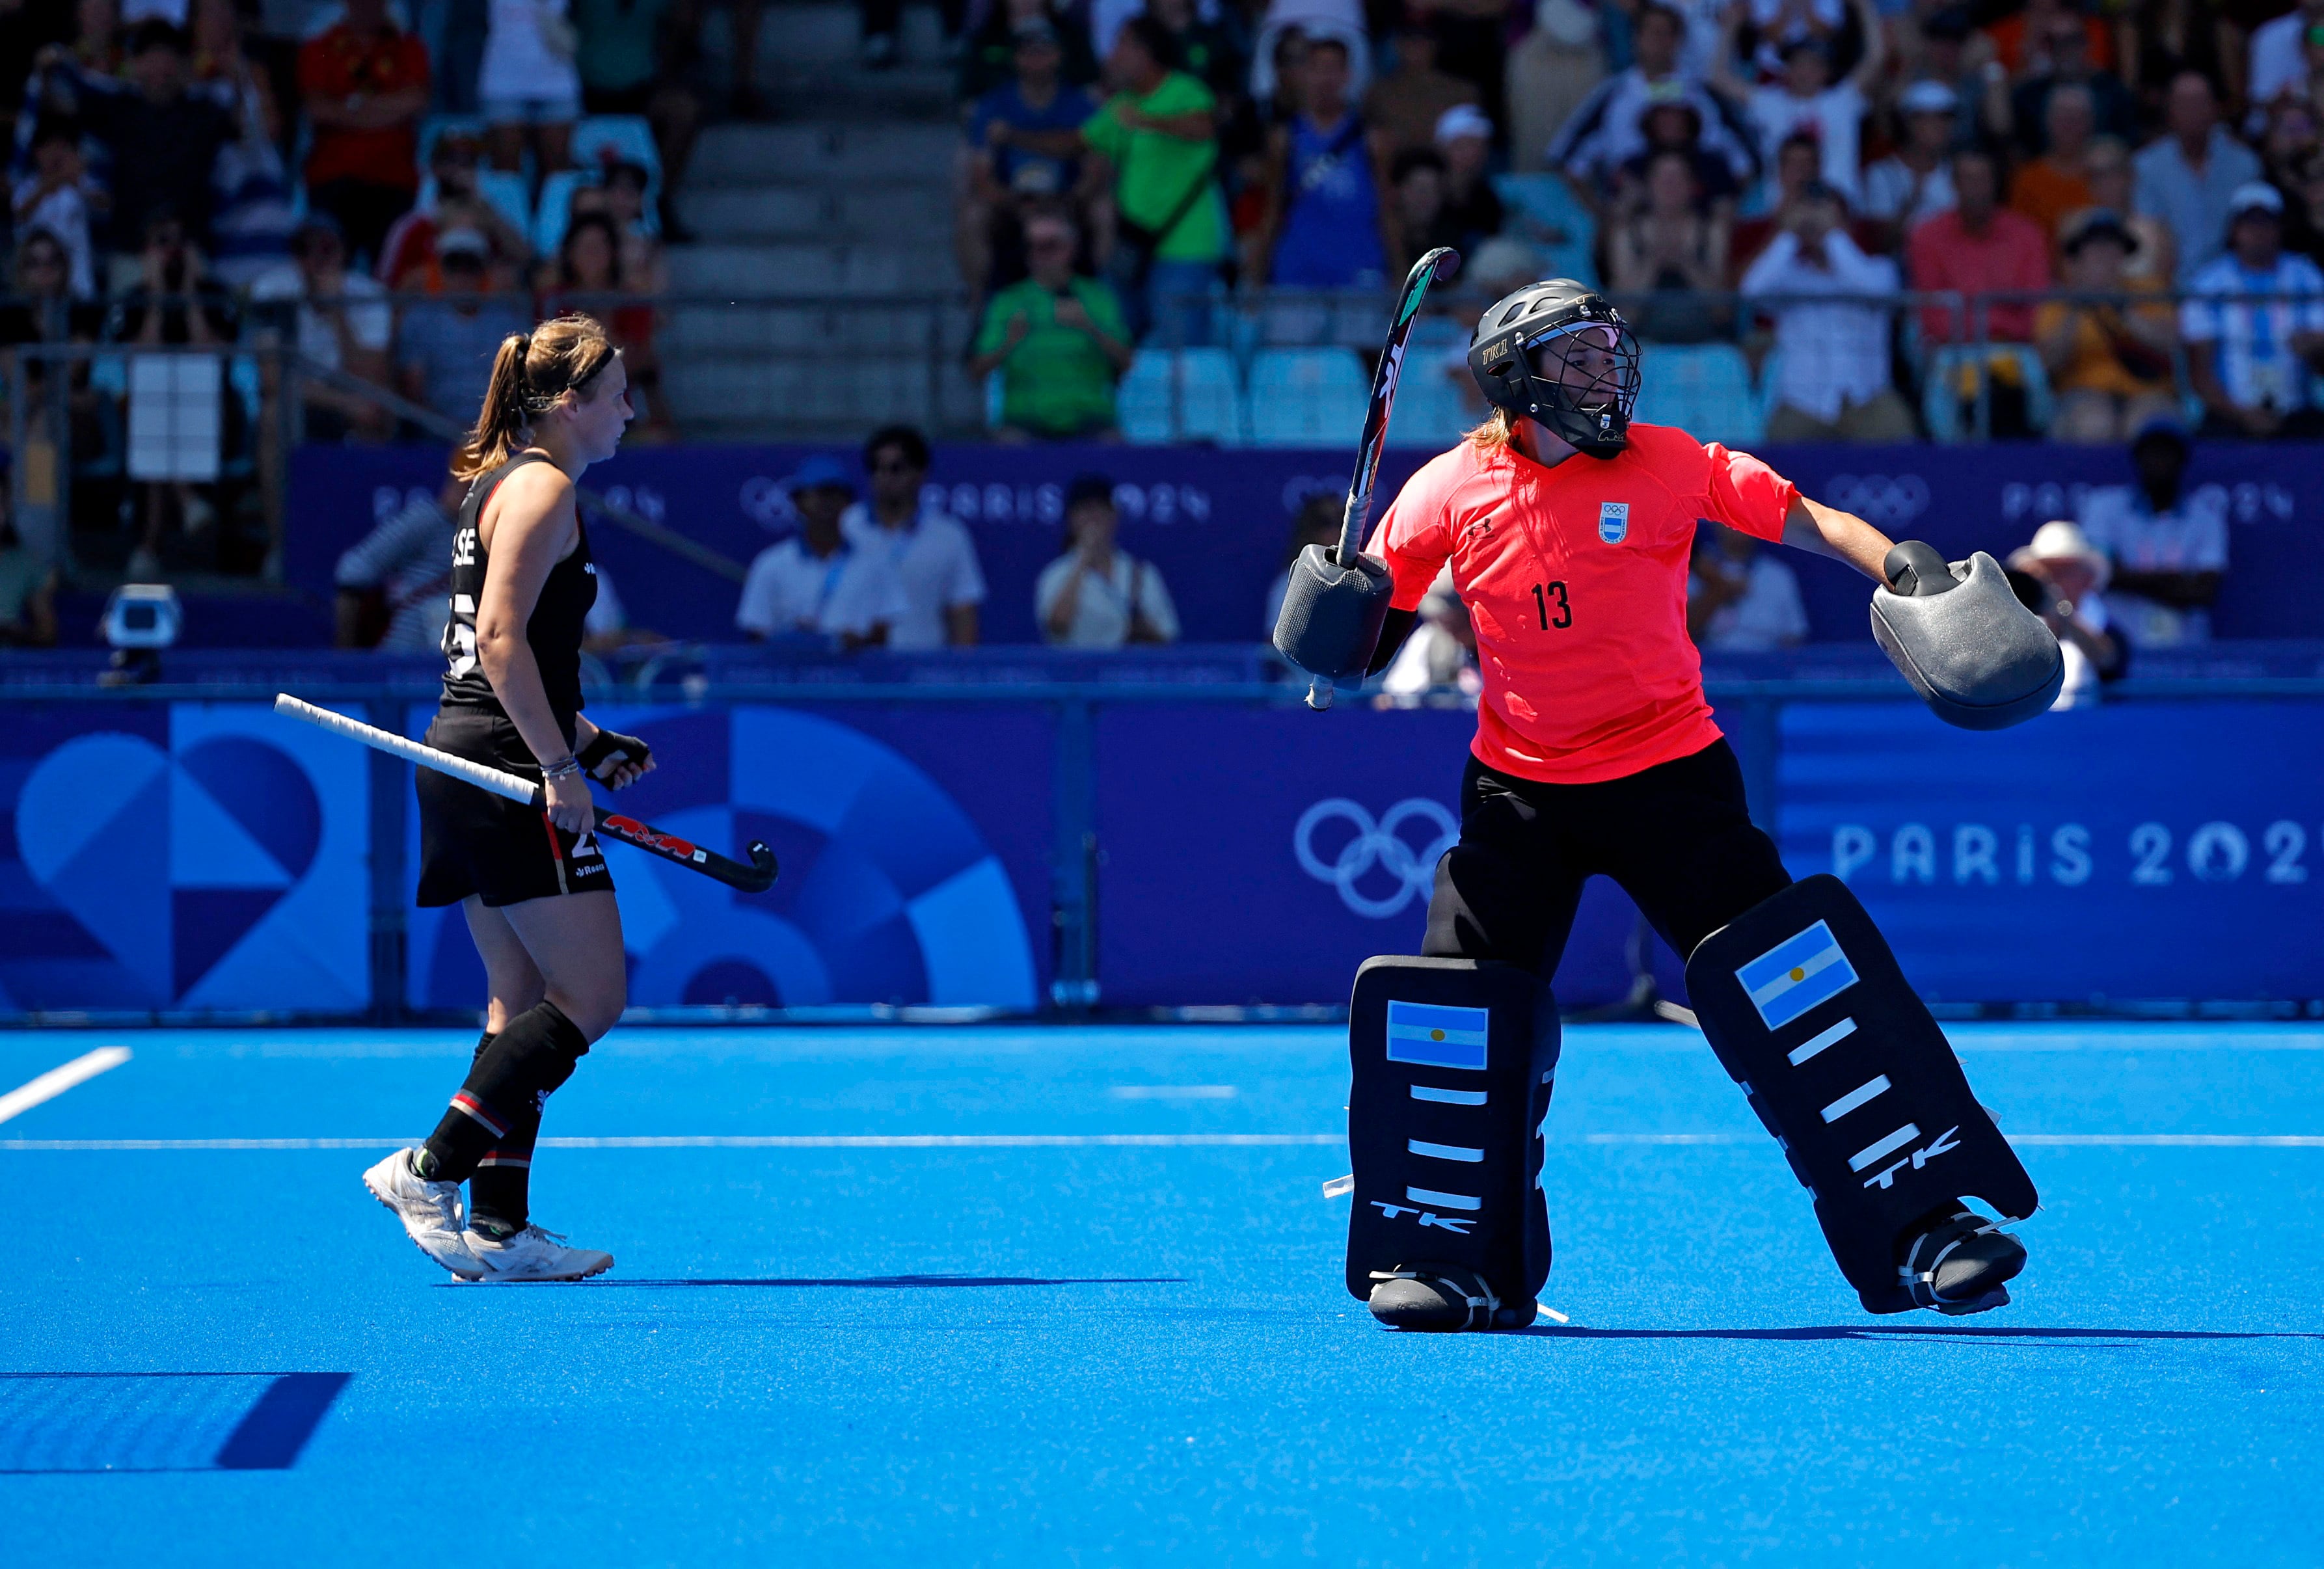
<point>1188,395</point>
<point>1770,378</point>
<point>1704,389</point>
<point>504,190</point>
<point>431,126</point>
<point>627,139</point>
<point>555,210</point>
<point>1307,397</point>
<point>1429,408</point>
<point>1940,405</point>
<point>599,139</point>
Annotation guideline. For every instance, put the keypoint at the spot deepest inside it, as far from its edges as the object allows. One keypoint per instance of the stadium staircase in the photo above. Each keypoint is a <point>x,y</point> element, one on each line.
<point>809,228</point>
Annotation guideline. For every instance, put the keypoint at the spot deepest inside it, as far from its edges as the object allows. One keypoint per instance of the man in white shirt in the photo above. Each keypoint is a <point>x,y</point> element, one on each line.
<point>2168,548</point>
<point>1095,597</point>
<point>2278,56</point>
<point>815,586</point>
<point>1739,599</point>
<point>931,554</point>
<point>2189,176</point>
<point>1832,383</point>
<point>2251,359</point>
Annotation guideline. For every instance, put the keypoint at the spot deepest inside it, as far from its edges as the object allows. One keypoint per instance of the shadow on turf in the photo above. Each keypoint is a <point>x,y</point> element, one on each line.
<point>891,1282</point>
<point>1902,1331</point>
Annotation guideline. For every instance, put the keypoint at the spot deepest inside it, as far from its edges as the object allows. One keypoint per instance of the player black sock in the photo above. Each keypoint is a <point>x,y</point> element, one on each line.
<point>510,1078</point>
<point>499,1192</point>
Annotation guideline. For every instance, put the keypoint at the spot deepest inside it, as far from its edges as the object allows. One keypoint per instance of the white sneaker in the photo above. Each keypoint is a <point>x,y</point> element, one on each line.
<point>429,1210</point>
<point>533,1254</point>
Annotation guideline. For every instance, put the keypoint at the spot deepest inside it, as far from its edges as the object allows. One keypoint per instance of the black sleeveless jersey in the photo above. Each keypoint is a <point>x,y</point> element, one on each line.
<point>555,631</point>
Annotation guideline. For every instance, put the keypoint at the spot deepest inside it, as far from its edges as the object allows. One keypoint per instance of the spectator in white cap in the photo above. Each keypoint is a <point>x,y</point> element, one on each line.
<point>2251,359</point>
<point>2061,577</point>
<point>1917,181</point>
<point>1464,140</point>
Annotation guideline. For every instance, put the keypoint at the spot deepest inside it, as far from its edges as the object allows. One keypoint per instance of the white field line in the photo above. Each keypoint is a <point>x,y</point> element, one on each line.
<point>1101,1140</point>
<point>2031,1141</point>
<point>57,1080</point>
<point>751,1141</point>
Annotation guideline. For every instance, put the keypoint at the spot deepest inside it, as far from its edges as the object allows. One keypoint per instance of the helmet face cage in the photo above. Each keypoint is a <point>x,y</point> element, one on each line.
<point>1584,377</point>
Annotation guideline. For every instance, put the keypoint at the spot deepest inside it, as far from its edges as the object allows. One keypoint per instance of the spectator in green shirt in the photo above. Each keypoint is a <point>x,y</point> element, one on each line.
<point>1159,136</point>
<point>1057,340</point>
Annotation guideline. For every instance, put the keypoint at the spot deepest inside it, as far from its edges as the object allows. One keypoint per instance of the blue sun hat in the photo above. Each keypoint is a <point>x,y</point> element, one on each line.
<point>820,472</point>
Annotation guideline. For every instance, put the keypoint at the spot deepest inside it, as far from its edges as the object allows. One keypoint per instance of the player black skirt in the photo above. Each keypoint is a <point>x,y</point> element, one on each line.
<point>472,841</point>
<point>1678,838</point>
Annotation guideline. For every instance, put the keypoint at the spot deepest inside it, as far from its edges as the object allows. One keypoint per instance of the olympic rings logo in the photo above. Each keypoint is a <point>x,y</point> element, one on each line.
<point>1380,845</point>
<point>1878,498</point>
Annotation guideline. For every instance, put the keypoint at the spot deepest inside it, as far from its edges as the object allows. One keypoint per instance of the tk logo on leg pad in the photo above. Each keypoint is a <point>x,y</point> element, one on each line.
<point>1388,1212</point>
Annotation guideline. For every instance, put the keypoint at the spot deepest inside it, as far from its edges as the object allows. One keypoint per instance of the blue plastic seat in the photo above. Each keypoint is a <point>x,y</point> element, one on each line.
<point>555,212</point>
<point>431,126</point>
<point>628,137</point>
<point>1954,365</point>
<point>1703,388</point>
<point>1307,397</point>
<point>1189,395</point>
<point>506,192</point>
<point>1430,410</point>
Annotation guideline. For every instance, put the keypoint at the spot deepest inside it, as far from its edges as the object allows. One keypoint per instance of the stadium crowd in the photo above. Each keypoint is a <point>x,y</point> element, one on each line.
<point>352,177</point>
<point>2103,212</point>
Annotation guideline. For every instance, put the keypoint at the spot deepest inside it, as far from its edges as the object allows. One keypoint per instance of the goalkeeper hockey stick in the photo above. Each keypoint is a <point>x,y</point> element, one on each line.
<point>1443,261</point>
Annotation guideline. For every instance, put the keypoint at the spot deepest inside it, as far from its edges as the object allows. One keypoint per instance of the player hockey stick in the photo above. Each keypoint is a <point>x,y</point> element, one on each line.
<point>756,877</point>
<point>1445,261</point>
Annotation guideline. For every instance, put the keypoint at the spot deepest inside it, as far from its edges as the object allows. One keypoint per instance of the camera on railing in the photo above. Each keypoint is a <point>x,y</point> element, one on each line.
<point>140,620</point>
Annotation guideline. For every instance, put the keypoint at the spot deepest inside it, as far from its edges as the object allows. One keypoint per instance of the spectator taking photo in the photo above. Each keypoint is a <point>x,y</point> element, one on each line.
<point>1096,596</point>
<point>1057,340</point>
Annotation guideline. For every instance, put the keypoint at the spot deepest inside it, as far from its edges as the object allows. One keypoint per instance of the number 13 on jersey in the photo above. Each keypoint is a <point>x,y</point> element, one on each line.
<point>1549,603</point>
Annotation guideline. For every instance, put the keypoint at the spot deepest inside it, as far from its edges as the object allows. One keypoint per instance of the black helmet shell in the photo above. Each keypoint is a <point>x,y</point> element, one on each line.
<point>1506,350</point>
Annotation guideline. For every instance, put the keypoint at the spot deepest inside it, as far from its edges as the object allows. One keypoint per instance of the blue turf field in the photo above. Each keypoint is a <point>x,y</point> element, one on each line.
<point>1082,1351</point>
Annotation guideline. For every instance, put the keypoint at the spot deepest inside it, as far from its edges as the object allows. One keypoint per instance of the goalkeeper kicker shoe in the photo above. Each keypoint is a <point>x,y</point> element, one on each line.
<point>1960,1264</point>
<point>533,1254</point>
<point>1435,1298</point>
<point>429,1210</point>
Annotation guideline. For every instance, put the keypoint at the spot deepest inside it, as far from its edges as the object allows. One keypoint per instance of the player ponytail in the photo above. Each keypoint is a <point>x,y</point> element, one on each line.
<point>530,371</point>
<point>1494,432</point>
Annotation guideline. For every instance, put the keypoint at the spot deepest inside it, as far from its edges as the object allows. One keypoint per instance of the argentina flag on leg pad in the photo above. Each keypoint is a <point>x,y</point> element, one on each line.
<point>1435,1036</point>
<point>1796,975</point>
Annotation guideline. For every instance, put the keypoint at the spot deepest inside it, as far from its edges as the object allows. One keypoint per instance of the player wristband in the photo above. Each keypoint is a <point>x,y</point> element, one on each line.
<point>570,764</point>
